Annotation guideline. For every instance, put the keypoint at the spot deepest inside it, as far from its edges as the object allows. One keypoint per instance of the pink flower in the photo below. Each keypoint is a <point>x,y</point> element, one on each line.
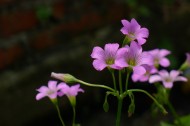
<point>143,78</point>
<point>167,78</point>
<point>105,58</point>
<point>132,57</point>
<point>134,31</point>
<point>158,57</point>
<point>51,91</point>
<point>69,91</point>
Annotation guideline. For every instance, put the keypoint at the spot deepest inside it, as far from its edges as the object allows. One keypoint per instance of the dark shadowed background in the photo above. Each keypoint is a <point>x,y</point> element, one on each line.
<point>38,37</point>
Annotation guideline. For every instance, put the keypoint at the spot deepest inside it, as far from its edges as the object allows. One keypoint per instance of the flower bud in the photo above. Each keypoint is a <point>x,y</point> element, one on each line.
<point>64,77</point>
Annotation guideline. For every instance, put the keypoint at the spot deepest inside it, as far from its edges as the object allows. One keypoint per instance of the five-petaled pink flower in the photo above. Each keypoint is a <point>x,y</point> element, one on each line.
<point>132,57</point>
<point>105,58</point>
<point>133,31</point>
<point>51,91</point>
<point>143,78</point>
<point>167,78</point>
<point>69,91</point>
<point>158,57</point>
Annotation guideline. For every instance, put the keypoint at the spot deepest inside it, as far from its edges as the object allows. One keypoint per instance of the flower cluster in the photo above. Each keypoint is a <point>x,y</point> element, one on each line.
<point>142,63</point>
<point>53,90</point>
<point>129,58</point>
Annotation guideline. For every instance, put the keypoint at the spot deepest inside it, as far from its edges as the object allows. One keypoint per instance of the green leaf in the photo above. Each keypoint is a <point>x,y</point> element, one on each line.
<point>185,120</point>
<point>165,124</point>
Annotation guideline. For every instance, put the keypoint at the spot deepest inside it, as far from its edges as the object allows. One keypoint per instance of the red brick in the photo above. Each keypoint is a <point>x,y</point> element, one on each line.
<point>5,25</point>
<point>10,55</point>
<point>2,2</point>
<point>2,59</point>
<point>17,21</point>
<point>43,40</point>
<point>59,10</point>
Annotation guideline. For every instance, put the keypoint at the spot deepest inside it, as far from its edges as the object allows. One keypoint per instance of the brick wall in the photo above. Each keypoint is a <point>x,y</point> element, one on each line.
<point>39,36</point>
<point>36,24</point>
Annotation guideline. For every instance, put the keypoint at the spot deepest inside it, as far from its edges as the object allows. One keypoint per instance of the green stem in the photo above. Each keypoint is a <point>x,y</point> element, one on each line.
<point>114,82</point>
<point>120,82</point>
<point>149,95</point>
<point>74,115</point>
<point>95,85</point>
<point>127,81</point>
<point>119,108</point>
<point>174,113</point>
<point>59,114</point>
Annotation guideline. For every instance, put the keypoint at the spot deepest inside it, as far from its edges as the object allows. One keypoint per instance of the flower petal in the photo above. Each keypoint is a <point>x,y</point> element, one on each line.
<point>121,63</point>
<point>163,73</point>
<point>174,74</point>
<point>154,52</point>
<point>168,84</point>
<point>43,89</point>
<point>135,48</point>
<point>140,70</point>
<point>155,78</point>
<point>61,85</point>
<point>134,26</point>
<point>164,52</point>
<point>181,78</point>
<point>125,23</point>
<point>135,77</point>
<point>99,64</point>
<point>97,53</point>
<point>164,62</point>
<point>146,59</point>
<point>142,33</point>
<point>75,89</point>
<point>141,41</point>
<point>40,96</point>
<point>52,85</point>
<point>111,49</point>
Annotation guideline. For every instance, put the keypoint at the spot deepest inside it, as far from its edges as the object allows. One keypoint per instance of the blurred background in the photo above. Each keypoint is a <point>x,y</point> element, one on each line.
<point>38,37</point>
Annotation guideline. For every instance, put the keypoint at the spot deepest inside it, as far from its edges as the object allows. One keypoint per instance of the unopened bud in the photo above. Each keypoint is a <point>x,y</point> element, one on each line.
<point>64,77</point>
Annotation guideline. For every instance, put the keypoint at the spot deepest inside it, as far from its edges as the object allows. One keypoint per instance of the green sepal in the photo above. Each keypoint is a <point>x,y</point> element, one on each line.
<point>106,105</point>
<point>131,108</point>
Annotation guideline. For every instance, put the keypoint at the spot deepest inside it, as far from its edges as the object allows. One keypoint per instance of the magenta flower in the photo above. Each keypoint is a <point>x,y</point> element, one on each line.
<point>143,78</point>
<point>51,91</point>
<point>167,78</point>
<point>158,57</point>
<point>105,58</point>
<point>133,31</point>
<point>69,91</point>
<point>132,57</point>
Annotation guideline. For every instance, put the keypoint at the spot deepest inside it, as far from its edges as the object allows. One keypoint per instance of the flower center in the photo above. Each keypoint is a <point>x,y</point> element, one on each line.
<point>49,92</point>
<point>110,61</point>
<point>131,62</point>
<point>131,36</point>
<point>168,79</point>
